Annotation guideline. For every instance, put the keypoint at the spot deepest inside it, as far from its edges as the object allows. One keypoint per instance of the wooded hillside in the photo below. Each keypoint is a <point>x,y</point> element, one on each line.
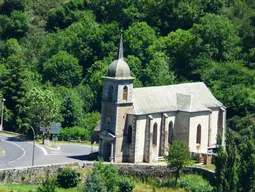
<point>54,53</point>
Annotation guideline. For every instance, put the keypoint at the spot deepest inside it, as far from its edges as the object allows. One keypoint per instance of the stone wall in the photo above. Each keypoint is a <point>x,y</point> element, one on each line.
<point>147,171</point>
<point>36,174</point>
<point>32,175</point>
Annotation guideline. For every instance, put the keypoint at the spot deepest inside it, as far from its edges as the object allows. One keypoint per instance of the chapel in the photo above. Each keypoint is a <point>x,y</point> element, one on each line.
<point>138,124</point>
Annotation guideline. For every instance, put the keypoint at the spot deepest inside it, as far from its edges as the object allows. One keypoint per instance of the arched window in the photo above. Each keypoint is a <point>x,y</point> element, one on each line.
<point>170,132</point>
<point>110,93</point>
<point>124,96</point>
<point>199,134</point>
<point>155,134</point>
<point>129,134</point>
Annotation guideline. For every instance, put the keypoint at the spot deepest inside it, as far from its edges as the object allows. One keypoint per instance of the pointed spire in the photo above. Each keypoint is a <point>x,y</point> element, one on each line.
<point>120,50</point>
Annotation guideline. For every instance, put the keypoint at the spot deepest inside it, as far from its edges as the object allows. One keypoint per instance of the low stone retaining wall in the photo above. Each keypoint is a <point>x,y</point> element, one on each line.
<point>146,171</point>
<point>32,175</point>
<point>36,174</point>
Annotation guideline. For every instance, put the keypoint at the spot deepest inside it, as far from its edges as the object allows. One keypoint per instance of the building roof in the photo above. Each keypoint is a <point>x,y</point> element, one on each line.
<point>119,68</point>
<point>189,97</point>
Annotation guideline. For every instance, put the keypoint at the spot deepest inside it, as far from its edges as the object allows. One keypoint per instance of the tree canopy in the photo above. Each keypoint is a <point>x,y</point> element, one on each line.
<point>61,49</point>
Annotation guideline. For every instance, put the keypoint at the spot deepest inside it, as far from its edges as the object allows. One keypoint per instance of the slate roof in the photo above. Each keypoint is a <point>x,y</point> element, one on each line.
<point>190,97</point>
<point>118,68</point>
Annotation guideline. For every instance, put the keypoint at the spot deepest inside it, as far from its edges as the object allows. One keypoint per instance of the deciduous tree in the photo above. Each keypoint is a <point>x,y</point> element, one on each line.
<point>178,157</point>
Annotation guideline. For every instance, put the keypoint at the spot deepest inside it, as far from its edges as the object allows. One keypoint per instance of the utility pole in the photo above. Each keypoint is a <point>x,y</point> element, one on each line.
<point>2,115</point>
<point>33,154</point>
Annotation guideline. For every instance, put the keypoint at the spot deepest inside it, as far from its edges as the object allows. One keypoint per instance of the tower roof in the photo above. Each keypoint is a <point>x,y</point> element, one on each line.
<point>119,67</point>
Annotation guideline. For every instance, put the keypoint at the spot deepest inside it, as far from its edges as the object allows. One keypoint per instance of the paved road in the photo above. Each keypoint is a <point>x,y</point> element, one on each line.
<point>18,153</point>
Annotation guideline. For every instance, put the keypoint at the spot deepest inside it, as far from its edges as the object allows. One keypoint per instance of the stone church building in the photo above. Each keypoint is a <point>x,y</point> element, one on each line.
<point>138,124</point>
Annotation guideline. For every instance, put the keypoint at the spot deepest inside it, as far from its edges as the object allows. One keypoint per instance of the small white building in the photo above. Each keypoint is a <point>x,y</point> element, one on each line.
<point>138,124</point>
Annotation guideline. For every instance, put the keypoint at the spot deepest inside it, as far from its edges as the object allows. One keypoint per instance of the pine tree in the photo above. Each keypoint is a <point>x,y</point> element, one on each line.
<point>14,91</point>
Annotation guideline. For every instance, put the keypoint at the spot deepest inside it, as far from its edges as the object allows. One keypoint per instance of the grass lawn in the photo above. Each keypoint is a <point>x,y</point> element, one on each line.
<point>210,167</point>
<point>32,188</point>
<point>140,187</point>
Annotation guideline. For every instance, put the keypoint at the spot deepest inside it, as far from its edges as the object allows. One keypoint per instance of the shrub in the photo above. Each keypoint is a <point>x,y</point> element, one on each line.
<point>104,177</point>
<point>67,178</point>
<point>73,133</point>
<point>126,184</point>
<point>95,182</point>
<point>48,185</point>
<point>195,183</point>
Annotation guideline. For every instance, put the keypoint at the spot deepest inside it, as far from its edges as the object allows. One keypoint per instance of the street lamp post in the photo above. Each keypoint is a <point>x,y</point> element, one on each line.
<point>2,114</point>
<point>33,155</point>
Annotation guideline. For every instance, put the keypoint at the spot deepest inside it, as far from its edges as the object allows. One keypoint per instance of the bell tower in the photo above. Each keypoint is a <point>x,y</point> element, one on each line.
<point>116,102</point>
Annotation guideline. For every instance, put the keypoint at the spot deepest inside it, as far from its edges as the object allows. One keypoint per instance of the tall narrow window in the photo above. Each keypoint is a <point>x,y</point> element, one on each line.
<point>110,93</point>
<point>124,96</point>
<point>170,133</point>
<point>199,134</point>
<point>129,134</point>
<point>155,134</point>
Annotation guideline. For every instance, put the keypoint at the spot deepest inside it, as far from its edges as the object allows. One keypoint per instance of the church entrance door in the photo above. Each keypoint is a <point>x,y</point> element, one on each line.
<point>107,151</point>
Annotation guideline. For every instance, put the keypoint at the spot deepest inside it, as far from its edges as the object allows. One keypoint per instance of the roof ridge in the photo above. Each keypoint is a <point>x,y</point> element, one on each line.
<point>200,82</point>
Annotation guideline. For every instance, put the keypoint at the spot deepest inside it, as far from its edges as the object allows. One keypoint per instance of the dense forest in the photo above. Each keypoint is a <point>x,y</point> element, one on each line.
<point>53,55</point>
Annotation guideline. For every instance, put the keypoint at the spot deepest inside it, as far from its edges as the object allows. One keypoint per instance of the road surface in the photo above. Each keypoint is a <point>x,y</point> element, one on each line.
<point>18,153</point>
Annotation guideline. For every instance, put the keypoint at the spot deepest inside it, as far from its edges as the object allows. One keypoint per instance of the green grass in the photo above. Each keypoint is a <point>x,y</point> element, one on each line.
<point>32,188</point>
<point>142,187</point>
<point>210,167</point>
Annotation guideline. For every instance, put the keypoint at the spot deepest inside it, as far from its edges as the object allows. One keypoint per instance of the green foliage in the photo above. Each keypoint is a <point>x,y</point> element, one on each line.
<point>220,44</point>
<point>89,121</point>
<point>103,178</point>
<point>157,73</point>
<point>95,182</point>
<point>71,111</point>
<point>86,95</point>
<point>73,133</point>
<point>48,185</point>
<point>48,44</point>
<point>83,131</point>
<point>42,107</point>
<point>235,166</point>
<point>139,37</point>
<point>14,26</point>
<point>67,178</point>
<point>9,6</point>
<point>238,92</point>
<point>126,184</point>
<point>178,157</point>
<point>64,15</point>
<point>14,90</point>
<point>195,183</point>
<point>62,69</point>
<point>10,47</point>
